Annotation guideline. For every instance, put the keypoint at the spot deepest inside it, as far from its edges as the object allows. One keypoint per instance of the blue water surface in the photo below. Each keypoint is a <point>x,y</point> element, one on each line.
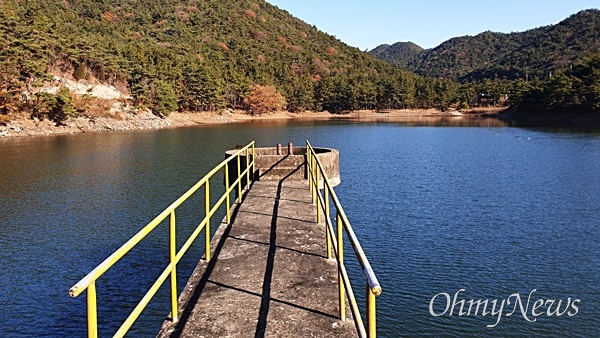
<point>495,211</point>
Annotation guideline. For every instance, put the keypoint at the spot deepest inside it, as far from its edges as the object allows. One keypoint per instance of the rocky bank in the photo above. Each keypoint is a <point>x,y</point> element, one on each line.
<point>34,127</point>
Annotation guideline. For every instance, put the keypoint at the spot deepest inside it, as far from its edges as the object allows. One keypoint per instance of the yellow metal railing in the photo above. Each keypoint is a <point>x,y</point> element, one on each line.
<point>316,175</point>
<point>89,282</point>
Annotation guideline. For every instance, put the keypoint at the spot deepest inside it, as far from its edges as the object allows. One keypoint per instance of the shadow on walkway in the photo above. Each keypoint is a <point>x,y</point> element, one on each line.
<point>268,276</point>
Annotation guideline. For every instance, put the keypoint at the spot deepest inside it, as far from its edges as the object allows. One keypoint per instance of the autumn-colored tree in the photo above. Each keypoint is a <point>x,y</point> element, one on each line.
<point>250,14</point>
<point>110,17</point>
<point>264,99</point>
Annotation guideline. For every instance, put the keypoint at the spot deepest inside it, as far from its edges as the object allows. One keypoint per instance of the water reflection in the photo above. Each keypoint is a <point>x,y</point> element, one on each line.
<point>439,121</point>
<point>411,120</point>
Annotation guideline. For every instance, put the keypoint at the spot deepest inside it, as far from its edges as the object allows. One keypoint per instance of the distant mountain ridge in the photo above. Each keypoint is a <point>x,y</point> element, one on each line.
<point>403,54</point>
<point>531,54</point>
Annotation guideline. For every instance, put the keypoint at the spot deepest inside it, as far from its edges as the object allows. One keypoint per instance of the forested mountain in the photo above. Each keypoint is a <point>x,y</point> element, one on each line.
<point>197,55</point>
<point>403,54</point>
<point>528,55</point>
<point>572,90</point>
<point>188,55</point>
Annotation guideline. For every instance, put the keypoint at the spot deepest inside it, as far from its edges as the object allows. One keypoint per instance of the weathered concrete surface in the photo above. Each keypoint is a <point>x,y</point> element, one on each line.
<point>273,167</point>
<point>268,276</point>
<point>330,159</point>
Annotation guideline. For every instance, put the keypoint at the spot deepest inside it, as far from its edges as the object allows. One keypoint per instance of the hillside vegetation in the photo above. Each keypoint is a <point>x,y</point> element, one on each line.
<point>191,55</point>
<point>529,55</point>
<point>199,55</point>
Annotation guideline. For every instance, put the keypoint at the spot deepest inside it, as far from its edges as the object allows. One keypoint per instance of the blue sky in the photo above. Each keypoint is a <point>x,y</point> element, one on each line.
<point>428,23</point>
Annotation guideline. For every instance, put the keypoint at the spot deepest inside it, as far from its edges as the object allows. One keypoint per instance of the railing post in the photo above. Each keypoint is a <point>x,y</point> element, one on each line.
<point>253,163</point>
<point>207,227</point>
<point>172,254</point>
<point>318,191</point>
<point>227,198</point>
<point>340,255</point>
<point>371,314</point>
<point>92,315</point>
<point>318,174</point>
<point>328,234</point>
<point>318,210</point>
<point>239,179</point>
<point>306,162</point>
<point>312,179</point>
<point>308,168</point>
<point>247,169</point>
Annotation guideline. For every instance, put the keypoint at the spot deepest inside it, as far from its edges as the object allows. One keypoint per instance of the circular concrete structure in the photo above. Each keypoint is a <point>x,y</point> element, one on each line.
<point>272,167</point>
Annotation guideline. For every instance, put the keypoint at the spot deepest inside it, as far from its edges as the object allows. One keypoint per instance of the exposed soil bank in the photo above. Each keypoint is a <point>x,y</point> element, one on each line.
<point>23,125</point>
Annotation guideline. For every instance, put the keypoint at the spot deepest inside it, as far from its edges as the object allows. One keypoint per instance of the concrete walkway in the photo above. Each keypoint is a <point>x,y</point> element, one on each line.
<point>269,276</point>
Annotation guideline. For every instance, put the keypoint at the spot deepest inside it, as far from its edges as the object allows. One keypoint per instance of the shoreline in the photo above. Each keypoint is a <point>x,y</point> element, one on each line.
<point>576,117</point>
<point>24,126</point>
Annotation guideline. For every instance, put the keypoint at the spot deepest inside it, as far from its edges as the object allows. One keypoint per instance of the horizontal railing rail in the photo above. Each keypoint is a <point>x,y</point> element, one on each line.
<point>318,180</point>
<point>88,283</point>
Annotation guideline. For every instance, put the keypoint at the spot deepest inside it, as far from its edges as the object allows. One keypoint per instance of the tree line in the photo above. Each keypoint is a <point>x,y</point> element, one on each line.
<point>207,55</point>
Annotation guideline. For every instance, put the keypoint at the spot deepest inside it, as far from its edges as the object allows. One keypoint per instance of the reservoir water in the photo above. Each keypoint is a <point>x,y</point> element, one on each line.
<point>494,211</point>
